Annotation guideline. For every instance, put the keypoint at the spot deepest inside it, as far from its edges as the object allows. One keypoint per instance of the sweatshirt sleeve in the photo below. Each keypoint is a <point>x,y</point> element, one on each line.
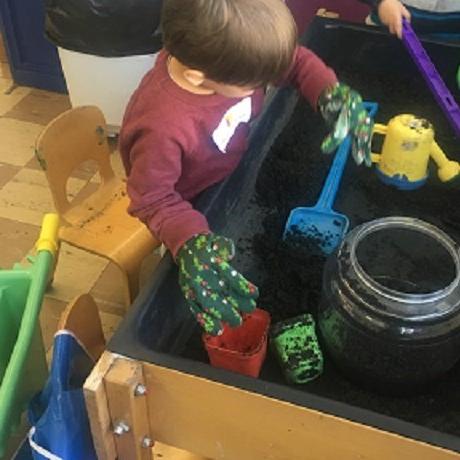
<point>309,75</point>
<point>154,169</point>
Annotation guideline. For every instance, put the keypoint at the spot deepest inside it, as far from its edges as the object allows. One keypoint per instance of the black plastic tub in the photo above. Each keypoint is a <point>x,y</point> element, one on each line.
<point>160,330</point>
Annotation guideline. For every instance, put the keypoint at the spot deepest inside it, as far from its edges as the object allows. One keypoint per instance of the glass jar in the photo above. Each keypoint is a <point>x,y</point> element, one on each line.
<point>390,307</point>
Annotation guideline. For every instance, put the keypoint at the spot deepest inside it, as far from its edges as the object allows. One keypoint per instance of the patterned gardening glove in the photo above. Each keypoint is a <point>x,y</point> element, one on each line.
<point>215,292</point>
<point>343,109</point>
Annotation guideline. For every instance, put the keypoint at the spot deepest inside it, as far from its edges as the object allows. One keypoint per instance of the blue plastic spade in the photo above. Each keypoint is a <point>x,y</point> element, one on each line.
<point>320,223</point>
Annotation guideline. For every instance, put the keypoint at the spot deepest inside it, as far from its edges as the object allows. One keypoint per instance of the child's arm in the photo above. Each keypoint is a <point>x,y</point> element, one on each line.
<point>310,75</point>
<point>155,167</point>
<point>340,106</point>
<point>214,291</point>
<point>391,13</point>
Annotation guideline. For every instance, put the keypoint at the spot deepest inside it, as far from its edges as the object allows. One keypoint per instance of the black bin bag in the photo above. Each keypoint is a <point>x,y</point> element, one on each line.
<point>109,28</point>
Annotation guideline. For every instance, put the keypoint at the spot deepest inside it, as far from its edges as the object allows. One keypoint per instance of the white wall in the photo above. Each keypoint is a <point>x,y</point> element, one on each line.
<point>105,82</point>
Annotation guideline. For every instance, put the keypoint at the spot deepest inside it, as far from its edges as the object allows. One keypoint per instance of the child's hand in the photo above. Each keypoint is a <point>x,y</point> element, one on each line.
<point>343,110</point>
<point>215,292</point>
<point>391,13</point>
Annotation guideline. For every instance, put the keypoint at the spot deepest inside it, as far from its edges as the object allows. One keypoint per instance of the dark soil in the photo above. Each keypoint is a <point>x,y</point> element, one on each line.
<point>292,176</point>
<point>398,259</point>
<point>294,172</point>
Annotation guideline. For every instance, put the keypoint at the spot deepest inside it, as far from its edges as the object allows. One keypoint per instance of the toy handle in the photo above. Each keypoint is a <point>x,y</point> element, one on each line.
<point>331,186</point>
<point>378,129</point>
<point>447,169</point>
<point>430,74</point>
<point>48,239</point>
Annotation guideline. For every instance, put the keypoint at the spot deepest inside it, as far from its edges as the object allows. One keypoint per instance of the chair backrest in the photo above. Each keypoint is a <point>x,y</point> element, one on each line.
<point>81,317</point>
<point>75,136</point>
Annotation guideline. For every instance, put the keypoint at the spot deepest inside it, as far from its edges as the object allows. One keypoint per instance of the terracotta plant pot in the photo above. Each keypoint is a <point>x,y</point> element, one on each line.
<point>241,349</point>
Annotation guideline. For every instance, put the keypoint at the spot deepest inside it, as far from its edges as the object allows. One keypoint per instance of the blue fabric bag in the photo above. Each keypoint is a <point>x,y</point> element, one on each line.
<point>60,427</point>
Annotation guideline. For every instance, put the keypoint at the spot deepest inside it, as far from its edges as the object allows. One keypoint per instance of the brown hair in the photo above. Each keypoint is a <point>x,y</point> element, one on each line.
<point>240,42</point>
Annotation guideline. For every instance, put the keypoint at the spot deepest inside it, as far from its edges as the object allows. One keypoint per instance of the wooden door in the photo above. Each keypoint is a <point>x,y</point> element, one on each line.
<point>33,60</point>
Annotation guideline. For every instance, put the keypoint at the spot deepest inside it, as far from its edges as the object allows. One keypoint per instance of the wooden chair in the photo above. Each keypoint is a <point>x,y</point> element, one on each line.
<point>99,223</point>
<point>81,317</point>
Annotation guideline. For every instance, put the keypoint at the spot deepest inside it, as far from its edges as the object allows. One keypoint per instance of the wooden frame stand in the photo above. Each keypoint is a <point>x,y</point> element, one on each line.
<point>132,403</point>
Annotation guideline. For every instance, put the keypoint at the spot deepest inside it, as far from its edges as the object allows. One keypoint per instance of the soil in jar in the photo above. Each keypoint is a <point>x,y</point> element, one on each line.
<point>405,260</point>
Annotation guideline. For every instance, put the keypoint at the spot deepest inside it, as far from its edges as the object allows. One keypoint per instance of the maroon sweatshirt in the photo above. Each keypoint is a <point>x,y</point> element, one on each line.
<point>174,144</point>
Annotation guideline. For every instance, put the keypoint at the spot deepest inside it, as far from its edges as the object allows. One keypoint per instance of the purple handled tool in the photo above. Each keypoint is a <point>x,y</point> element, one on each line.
<point>428,70</point>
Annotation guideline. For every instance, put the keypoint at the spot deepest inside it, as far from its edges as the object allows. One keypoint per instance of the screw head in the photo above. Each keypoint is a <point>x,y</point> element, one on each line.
<point>140,390</point>
<point>121,428</point>
<point>147,442</point>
